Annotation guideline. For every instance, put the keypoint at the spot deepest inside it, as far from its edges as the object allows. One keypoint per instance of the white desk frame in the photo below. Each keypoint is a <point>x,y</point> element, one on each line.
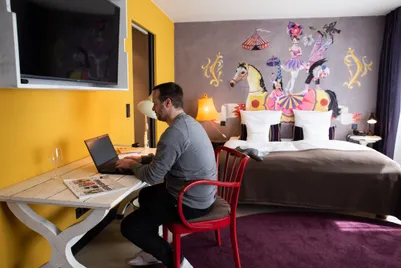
<point>44,190</point>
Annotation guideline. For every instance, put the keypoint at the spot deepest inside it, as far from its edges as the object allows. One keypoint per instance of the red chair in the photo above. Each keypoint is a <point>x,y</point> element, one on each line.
<point>223,211</point>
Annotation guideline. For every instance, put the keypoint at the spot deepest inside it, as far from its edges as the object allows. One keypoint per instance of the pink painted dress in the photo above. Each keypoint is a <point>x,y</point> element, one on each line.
<point>295,63</point>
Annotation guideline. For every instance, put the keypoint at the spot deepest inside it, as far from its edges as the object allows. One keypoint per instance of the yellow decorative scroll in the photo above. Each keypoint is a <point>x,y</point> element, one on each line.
<point>361,70</point>
<point>210,69</point>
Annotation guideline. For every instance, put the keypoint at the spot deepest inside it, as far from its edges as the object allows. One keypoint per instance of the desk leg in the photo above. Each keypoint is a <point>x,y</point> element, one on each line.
<point>124,204</point>
<point>60,242</point>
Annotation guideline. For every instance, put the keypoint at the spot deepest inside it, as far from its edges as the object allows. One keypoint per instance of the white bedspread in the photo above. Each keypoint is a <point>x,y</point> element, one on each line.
<point>292,146</point>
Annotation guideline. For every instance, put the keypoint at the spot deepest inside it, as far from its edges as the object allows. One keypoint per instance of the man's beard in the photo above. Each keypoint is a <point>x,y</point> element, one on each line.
<point>161,115</point>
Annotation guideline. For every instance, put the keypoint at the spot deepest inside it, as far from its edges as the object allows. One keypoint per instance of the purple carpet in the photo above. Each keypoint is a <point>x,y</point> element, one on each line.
<point>298,240</point>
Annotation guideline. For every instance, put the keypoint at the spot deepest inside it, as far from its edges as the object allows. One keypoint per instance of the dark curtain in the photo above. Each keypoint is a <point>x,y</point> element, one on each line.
<point>389,85</point>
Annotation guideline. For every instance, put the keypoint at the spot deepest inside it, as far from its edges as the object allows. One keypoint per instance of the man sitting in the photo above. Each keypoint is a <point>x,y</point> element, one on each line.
<point>184,153</point>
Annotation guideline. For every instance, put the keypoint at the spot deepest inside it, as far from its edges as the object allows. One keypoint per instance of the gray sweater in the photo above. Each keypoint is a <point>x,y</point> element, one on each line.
<point>184,153</point>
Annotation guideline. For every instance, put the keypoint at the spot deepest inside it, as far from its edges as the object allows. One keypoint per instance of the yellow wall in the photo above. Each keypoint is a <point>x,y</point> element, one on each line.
<point>151,18</point>
<point>34,121</point>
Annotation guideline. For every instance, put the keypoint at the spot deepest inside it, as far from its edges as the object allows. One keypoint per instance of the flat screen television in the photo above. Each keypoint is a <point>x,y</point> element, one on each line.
<point>70,40</point>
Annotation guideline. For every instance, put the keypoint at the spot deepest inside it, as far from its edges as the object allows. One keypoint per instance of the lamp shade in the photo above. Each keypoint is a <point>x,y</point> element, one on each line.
<point>206,109</point>
<point>372,119</point>
<point>146,107</point>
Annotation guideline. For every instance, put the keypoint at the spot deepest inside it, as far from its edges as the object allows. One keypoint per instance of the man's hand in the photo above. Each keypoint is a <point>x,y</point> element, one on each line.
<point>136,158</point>
<point>125,163</point>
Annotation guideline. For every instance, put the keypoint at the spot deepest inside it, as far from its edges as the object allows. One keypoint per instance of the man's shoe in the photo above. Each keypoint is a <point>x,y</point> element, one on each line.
<point>143,259</point>
<point>185,264</point>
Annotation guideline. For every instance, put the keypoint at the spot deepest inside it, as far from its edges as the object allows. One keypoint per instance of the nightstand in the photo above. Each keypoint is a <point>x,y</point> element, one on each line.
<point>365,140</point>
<point>217,143</point>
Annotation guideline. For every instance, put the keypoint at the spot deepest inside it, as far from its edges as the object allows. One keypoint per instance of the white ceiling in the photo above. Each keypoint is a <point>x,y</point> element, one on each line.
<point>218,10</point>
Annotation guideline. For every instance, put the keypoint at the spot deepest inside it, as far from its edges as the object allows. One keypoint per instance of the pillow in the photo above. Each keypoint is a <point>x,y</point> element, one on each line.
<point>315,132</point>
<point>302,117</point>
<point>298,133</point>
<point>274,133</point>
<point>257,131</point>
<point>258,124</point>
<point>317,124</point>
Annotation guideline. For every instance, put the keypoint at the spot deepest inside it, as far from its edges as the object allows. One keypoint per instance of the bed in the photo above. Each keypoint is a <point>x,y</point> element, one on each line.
<point>322,174</point>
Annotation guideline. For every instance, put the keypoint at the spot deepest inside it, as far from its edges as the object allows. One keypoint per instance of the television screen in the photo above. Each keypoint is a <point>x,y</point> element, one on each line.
<point>69,40</point>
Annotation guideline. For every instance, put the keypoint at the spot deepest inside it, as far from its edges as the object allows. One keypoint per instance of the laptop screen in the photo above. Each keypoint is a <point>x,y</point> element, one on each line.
<point>101,149</point>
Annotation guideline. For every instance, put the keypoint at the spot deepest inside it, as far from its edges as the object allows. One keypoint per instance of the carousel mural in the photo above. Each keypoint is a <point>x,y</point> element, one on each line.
<point>267,89</point>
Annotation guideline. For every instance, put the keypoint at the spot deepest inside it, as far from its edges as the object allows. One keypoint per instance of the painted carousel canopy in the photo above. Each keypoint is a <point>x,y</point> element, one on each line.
<point>255,42</point>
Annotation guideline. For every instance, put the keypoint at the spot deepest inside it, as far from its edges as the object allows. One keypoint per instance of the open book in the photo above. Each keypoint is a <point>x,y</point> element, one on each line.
<point>93,186</point>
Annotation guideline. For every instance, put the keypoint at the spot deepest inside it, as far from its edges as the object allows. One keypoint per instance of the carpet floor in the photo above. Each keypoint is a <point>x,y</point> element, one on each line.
<point>300,240</point>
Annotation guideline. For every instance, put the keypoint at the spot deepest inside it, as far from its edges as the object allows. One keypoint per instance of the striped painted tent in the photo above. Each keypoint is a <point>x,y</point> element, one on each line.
<point>255,42</point>
<point>290,101</point>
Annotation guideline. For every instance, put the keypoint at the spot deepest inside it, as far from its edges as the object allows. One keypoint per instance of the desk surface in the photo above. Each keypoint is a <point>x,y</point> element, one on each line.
<point>42,189</point>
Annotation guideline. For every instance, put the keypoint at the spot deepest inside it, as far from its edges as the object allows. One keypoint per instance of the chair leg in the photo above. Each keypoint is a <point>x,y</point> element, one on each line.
<point>177,250</point>
<point>234,242</point>
<point>218,237</point>
<point>165,233</point>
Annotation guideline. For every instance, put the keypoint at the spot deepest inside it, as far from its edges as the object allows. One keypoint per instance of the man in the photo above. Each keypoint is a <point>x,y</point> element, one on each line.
<point>184,153</point>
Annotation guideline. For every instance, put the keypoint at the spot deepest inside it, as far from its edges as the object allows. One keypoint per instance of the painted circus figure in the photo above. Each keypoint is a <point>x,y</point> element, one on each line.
<point>295,64</point>
<point>259,98</point>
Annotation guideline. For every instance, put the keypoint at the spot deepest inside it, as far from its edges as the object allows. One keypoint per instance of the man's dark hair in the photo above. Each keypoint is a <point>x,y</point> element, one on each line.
<point>171,91</point>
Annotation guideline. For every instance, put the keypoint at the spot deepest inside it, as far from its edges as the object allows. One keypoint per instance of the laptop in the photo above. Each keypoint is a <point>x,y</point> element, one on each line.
<point>104,155</point>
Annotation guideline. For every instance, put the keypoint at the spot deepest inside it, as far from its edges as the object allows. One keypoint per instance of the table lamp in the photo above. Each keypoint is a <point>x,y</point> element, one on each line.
<point>207,112</point>
<point>145,107</point>
<point>371,121</point>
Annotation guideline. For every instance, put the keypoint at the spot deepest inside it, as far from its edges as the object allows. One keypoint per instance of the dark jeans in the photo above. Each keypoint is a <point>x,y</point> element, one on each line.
<point>157,207</point>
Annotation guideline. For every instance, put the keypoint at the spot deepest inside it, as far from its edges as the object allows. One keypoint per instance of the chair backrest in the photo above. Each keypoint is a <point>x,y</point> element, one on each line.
<point>230,168</point>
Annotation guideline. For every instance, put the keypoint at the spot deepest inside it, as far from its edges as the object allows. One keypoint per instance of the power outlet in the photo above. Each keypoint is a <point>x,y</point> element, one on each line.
<point>127,110</point>
<point>80,211</point>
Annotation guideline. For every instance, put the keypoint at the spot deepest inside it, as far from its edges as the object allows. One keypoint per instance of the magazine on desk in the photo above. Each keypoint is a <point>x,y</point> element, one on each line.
<point>92,186</point>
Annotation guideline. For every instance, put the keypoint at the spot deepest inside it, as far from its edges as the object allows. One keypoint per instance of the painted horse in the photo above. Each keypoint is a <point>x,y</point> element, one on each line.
<point>259,99</point>
<point>257,90</point>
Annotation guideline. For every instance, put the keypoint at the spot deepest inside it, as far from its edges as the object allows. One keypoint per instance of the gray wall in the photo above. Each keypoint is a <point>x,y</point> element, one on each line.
<point>196,42</point>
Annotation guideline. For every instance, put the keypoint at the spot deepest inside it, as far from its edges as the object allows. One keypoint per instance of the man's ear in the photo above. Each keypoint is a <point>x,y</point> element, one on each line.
<point>168,103</point>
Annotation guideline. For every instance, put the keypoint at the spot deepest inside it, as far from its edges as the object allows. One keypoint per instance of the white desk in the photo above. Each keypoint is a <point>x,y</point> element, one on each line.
<point>44,190</point>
